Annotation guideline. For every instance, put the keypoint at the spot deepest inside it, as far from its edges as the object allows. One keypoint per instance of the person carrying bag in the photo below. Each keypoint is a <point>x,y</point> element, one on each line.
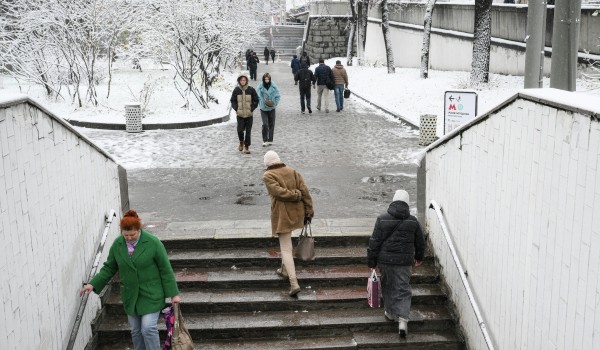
<point>305,250</point>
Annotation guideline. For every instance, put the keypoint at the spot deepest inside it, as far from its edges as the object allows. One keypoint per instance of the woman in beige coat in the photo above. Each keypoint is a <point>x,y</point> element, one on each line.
<point>291,208</point>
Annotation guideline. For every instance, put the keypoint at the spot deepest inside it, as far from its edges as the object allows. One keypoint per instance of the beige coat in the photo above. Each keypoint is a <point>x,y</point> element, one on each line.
<point>290,199</point>
<point>340,76</point>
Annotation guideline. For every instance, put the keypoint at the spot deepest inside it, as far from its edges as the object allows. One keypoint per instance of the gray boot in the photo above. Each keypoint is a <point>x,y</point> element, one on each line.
<point>294,287</point>
<point>282,272</point>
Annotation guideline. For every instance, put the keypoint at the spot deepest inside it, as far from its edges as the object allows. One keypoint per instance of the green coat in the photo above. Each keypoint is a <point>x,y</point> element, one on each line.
<point>146,277</point>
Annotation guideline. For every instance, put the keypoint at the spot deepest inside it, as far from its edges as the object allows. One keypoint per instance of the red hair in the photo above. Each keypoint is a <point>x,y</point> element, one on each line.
<point>130,221</point>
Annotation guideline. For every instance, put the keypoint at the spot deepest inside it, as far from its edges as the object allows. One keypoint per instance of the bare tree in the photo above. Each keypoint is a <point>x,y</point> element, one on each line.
<point>480,65</point>
<point>385,27</point>
<point>362,11</point>
<point>426,38</point>
<point>351,37</point>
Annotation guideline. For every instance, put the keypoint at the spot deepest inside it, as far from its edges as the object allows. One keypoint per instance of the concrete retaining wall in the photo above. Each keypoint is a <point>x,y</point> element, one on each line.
<point>55,189</point>
<point>327,37</point>
<point>520,190</point>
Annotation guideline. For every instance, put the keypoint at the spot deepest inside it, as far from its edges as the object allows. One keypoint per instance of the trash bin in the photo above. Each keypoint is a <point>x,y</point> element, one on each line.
<point>133,117</point>
<point>428,129</point>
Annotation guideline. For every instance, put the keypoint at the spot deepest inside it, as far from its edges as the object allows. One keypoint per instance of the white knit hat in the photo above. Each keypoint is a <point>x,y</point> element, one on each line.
<point>401,195</point>
<point>271,158</point>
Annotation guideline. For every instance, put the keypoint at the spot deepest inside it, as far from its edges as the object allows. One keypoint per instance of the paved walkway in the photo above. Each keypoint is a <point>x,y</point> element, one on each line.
<point>352,161</point>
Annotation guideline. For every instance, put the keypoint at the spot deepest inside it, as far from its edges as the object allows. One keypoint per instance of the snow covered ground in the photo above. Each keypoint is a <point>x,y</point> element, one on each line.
<point>403,92</point>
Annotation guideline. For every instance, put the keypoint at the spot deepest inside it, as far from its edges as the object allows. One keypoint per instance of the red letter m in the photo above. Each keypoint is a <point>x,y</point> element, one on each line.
<point>452,107</point>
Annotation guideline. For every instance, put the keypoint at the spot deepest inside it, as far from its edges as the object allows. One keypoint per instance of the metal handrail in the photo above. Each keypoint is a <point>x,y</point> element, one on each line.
<point>438,210</point>
<point>83,302</point>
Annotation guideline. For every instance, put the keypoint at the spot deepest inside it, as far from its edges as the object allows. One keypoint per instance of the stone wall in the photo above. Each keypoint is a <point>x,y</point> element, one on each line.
<point>327,37</point>
<point>55,189</point>
<point>520,191</point>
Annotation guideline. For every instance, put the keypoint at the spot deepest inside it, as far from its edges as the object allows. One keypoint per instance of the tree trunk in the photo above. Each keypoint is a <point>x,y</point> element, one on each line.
<point>351,36</point>
<point>385,27</point>
<point>480,66</point>
<point>359,32</point>
<point>426,38</point>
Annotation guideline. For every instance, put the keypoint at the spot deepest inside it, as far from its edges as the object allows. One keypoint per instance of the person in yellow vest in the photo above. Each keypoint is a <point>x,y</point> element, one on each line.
<point>244,101</point>
<point>146,278</point>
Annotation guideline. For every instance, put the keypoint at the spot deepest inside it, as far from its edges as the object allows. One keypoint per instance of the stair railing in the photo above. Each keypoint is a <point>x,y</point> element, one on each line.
<point>84,300</point>
<point>440,215</point>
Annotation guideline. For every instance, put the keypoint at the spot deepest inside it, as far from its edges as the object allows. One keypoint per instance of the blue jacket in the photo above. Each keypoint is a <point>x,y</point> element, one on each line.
<point>322,72</point>
<point>295,65</point>
<point>272,94</point>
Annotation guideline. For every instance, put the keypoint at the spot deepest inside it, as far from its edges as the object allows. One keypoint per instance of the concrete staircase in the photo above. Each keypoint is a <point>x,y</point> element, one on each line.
<point>233,299</point>
<point>286,38</point>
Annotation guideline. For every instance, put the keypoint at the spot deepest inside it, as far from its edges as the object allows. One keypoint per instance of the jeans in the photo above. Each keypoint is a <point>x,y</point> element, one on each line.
<point>253,73</point>
<point>322,90</point>
<point>395,288</point>
<point>244,125</point>
<point>268,125</point>
<point>304,94</point>
<point>144,331</point>
<point>339,96</point>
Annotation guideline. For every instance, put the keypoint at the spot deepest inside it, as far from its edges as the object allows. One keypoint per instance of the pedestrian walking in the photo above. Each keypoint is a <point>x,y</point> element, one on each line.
<point>253,65</point>
<point>305,59</point>
<point>266,53</point>
<point>340,78</point>
<point>324,76</point>
<point>272,55</point>
<point>268,99</point>
<point>395,246</point>
<point>248,54</point>
<point>146,278</point>
<point>291,208</point>
<point>244,101</point>
<point>295,64</point>
<point>306,78</point>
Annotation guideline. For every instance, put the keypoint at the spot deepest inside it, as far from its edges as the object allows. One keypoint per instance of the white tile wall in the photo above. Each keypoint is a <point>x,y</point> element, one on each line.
<point>521,195</point>
<point>55,189</point>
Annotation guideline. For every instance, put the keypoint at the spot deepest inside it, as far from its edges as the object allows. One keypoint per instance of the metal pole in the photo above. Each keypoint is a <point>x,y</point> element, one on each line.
<point>565,44</point>
<point>536,38</point>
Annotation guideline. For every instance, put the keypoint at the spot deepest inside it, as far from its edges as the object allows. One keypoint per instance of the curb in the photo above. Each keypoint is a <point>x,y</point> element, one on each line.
<point>187,125</point>
<point>394,114</point>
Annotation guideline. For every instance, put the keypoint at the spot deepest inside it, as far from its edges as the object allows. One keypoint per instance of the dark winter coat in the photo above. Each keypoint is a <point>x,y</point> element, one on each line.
<point>306,77</point>
<point>273,53</point>
<point>305,59</point>
<point>290,199</point>
<point>253,61</point>
<point>146,277</point>
<point>322,72</point>
<point>244,100</point>
<point>295,65</point>
<point>397,238</point>
<point>266,53</point>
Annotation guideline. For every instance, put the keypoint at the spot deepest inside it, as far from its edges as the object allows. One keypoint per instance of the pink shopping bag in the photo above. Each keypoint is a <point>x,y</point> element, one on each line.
<point>374,291</point>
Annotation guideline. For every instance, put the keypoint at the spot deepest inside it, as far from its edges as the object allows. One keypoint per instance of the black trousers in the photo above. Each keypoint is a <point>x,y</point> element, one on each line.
<point>268,125</point>
<point>244,125</point>
<point>304,94</point>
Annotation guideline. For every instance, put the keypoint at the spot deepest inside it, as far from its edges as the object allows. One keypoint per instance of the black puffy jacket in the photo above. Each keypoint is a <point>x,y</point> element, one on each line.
<point>397,238</point>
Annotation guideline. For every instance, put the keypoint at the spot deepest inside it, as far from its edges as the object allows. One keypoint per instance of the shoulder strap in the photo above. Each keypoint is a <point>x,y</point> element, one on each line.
<point>394,230</point>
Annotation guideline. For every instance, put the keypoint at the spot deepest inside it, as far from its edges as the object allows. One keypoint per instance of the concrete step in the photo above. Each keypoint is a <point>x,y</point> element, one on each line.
<point>264,256</point>
<point>263,277</point>
<point>289,324</point>
<point>321,241</point>
<point>441,340</point>
<point>260,299</point>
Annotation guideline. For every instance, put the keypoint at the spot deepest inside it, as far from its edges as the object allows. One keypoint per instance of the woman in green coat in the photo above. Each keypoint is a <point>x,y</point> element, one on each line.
<point>146,278</point>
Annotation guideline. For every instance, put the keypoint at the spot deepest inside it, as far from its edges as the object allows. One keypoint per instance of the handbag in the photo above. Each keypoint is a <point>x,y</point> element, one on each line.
<point>374,291</point>
<point>269,103</point>
<point>329,83</point>
<point>305,250</point>
<point>182,340</point>
<point>347,93</point>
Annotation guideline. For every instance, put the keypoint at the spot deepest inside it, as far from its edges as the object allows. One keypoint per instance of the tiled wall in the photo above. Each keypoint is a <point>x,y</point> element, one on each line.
<point>55,190</point>
<point>520,190</point>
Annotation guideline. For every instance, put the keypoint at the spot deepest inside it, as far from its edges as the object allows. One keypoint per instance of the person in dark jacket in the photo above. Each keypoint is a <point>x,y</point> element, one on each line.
<point>266,53</point>
<point>272,55</point>
<point>295,67</point>
<point>395,246</point>
<point>305,59</point>
<point>323,74</point>
<point>244,101</point>
<point>248,53</point>
<point>253,65</point>
<point>306,77</point>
